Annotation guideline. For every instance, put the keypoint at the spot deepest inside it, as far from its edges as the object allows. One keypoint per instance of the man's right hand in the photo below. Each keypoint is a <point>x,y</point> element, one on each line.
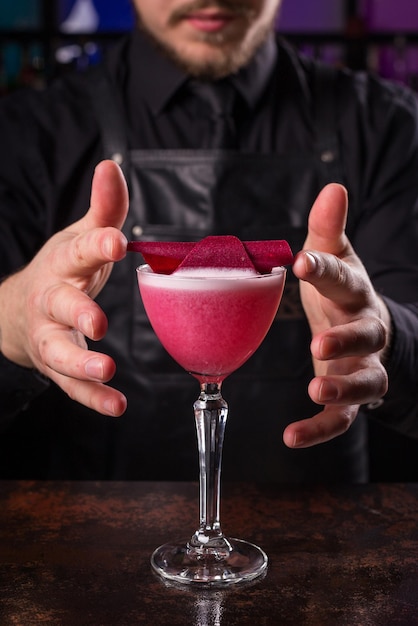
<point>47,309</point>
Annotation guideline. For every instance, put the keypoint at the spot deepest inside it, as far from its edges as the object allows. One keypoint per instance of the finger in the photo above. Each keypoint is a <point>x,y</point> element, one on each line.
<point>358,338</point>
<point>96,396</point>
<point>332,278</point>
<point>88,252</point>
<point>82,374</point>
<point>109,197</point>
<point>79,362</point>
<point>359,387</point>
<point>327,220</point>
<point>72,308</point>
<point>329,423</point>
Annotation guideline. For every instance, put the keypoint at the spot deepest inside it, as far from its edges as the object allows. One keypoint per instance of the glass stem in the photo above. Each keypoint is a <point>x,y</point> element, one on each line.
<point>211,412</point>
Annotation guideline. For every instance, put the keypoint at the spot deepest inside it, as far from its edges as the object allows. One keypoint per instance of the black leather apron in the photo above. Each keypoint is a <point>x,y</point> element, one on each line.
<point>185,195</point>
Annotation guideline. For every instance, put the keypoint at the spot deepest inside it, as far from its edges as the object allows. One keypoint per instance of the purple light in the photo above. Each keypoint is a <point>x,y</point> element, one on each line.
<point>311,16</point>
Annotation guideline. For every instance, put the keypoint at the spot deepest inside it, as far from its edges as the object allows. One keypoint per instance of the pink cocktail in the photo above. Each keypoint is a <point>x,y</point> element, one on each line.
<point>211,324</point>
<point>211,321</point>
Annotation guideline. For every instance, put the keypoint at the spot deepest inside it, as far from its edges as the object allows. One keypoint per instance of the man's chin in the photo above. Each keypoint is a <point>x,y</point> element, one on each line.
<point>208,61</point>
<point>212,57</point>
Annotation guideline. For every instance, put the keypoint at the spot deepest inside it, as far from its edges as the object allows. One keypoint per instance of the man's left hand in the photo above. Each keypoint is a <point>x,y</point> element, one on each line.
<point>349,323</point>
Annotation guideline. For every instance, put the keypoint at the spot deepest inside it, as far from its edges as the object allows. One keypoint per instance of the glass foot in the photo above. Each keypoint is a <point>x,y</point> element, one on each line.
<point>182,564</point>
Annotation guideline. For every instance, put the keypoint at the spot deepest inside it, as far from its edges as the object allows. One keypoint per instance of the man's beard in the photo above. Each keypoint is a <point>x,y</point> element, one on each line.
<point>229,59</point>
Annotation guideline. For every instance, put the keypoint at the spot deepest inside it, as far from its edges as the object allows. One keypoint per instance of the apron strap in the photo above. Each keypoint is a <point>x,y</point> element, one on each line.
<point>325,112</point>
<point>110,118</point>
<point>115,145</point>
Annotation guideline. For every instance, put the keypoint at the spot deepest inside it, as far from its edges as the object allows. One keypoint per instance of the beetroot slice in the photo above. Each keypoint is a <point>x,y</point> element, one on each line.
<point>162,256</point>
<point>268,254</point>
<point>165,256</point>
<point>219,252</point>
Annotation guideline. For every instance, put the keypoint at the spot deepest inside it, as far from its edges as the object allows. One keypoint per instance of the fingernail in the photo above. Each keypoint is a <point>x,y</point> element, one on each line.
<point>298,440</point>
<point>109,248</point>
<point>108,407</point>
<point>94,368</point>
<point>330,348</point>
<point>310,262</point>
<point>114,408</point>
<point>327,392</point>
<point>85,324</point>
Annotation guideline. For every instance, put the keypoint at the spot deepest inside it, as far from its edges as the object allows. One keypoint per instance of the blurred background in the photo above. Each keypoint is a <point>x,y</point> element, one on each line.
<point>40,39</point>
<point>43,39</point>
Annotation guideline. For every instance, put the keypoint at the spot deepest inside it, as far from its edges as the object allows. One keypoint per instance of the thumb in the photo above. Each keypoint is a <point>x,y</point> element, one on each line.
<point>327,221</point>
<point>109,197</point>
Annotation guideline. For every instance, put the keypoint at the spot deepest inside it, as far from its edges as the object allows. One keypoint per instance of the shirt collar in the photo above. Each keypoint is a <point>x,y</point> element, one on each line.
<point>167,78</point>
<point>251,80</point>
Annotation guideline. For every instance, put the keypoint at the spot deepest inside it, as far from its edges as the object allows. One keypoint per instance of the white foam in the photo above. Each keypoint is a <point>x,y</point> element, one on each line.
<point>215,272</point>
<point>213,278</point>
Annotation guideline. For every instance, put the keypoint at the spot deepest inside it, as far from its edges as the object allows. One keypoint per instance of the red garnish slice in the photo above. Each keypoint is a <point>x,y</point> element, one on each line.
<point>218,251</point>
<point>162,256</point>
<point>268,254</point>
<point>165,256</point>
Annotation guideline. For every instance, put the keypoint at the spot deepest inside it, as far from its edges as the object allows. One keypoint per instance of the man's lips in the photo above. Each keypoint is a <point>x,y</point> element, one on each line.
<point>210,21</point>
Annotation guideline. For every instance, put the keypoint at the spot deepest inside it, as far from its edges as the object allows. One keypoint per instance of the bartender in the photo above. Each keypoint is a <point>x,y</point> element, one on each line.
<point>344,346</point>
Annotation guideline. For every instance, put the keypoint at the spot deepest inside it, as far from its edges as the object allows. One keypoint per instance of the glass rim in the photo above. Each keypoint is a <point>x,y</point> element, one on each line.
<point>145,269</point>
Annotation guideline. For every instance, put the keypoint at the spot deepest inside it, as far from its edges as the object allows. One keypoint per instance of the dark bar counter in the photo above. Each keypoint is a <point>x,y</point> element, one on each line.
<point>77,553</point>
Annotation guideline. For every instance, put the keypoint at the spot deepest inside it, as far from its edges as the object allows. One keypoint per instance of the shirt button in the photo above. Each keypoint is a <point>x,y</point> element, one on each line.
<point>328,156</point>
<point>375,405</point>
<point>137,230</point>
<point>117,157</point>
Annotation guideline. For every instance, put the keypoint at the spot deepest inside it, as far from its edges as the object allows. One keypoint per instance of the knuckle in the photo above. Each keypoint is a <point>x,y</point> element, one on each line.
<point>43,348</point>
<point>345,419</point>
<point>371,334</point>
<point>71,389</point>
<point>78,338</point>
<point>379,333</point>
<point>382,334</point>
<point>44,354</point>
<point>340,273</point>
<point>341,421</point>
<point>78,251</point>
<point>384,382</point>
<point>50,299</point>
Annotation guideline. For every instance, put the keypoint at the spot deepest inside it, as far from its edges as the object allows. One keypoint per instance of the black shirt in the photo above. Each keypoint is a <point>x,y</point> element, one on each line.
<point>51,143</point>
<point>166,115</point>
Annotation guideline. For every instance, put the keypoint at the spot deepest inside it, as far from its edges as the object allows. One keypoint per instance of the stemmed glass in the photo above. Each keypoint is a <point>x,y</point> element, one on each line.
<point>210,324</point>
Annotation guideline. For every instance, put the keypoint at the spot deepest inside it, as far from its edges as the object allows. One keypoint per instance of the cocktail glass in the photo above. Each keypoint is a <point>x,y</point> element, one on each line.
<point>210,323</point>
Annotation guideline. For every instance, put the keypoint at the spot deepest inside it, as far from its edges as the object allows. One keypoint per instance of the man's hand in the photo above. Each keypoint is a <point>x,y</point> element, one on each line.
<point>348,320</point>
<point>47,309</point>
